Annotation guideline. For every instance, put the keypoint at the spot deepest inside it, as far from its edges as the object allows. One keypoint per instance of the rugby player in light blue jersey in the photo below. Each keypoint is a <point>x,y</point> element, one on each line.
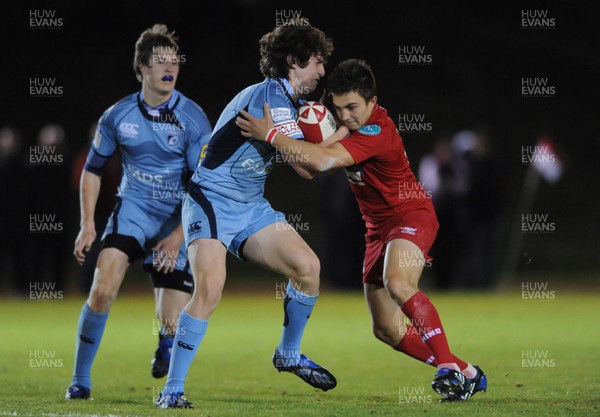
<point>161,135</point>
<point>225,210</point>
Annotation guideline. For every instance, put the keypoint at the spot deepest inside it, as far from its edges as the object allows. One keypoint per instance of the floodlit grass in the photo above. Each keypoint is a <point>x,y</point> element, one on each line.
<point>541,358</point>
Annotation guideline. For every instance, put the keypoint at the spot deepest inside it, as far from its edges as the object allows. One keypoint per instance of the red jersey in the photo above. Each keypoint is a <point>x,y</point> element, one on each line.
<point>381,180</point>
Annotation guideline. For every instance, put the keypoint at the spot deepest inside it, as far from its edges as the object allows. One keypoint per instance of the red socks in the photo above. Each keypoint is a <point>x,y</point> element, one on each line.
<point>412,345</point>
<point>425,319</point>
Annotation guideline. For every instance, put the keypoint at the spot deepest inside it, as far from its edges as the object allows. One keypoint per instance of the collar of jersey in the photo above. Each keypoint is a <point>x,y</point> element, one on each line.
<point>168,104</point>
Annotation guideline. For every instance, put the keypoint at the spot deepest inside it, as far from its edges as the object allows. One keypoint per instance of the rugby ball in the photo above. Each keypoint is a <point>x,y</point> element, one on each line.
<point>316,122</point>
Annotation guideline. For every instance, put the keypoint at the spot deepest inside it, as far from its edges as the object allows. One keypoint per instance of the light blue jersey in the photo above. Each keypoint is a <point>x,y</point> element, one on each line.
<point>159,148</point>
<point>237,167</point>
<point>225,199</point>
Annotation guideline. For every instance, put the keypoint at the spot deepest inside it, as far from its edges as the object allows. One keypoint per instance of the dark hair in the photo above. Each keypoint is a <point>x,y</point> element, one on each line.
<point>299,41</point>
<point>157,35</point>
<point>352,75</point>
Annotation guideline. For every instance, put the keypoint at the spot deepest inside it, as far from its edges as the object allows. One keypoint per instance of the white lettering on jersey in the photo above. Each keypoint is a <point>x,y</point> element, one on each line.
<point>354,176</point>
<point>281,113</point>
<point>408,230</point>
<point>143,176</point>
<point>289,128</point>
<point>256,167</point>
<point>129,130</point>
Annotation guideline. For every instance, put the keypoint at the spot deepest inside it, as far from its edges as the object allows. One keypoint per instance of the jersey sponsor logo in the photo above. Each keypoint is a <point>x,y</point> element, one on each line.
<point>129,130</point>
<point>203,153</point>
<point>408,230</point>
<point>256,167</point>
<point>354,175</point>
<point>281,113</point>
<point>289,128</point>
<point>370,130</point>
<point>97,139</point>
<point>143,176</point>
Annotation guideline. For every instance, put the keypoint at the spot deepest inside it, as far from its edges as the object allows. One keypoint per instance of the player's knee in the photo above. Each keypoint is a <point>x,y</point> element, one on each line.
<point>400,286</point>
<point>206,299</point>
<point>308,267</point>
<point>101,297</point>
<point>387,334</point>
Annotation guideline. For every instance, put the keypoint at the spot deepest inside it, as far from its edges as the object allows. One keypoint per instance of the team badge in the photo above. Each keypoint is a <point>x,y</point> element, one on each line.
<point>173,138</point>
<point>370,130</point>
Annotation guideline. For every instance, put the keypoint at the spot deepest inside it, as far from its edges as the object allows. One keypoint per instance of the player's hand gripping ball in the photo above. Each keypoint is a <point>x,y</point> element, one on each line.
<point>315,121</point>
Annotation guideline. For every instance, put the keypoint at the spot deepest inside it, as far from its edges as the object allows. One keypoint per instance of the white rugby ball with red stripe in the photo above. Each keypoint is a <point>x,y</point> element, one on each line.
<point>315,121</point>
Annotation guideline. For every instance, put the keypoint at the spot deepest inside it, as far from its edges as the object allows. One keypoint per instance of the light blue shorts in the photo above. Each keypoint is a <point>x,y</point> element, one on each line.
<point>147,226</point>
<point>207,214</point>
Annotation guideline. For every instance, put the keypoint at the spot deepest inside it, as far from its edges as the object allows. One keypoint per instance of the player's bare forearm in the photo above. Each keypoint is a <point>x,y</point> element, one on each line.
<point>308,173</point>
<point>89,190</point>
<point>315,157</point>
<point>304,171</point>
<point>339,134</point>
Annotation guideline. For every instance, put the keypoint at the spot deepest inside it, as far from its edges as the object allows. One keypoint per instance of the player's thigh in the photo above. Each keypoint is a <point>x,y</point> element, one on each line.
<point>207,260</point>
<point>386,315</point>
<point>280,248</point>
<point>403,265</point>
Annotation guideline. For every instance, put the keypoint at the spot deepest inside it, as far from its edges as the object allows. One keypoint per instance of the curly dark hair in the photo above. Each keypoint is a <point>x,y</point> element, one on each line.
<point>157,35</point>
<point>352,75</point>
<point>299,41</point>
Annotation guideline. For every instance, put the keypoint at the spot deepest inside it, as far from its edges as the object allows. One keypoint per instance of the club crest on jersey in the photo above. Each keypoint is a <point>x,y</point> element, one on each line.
<point>370,130</point>
<point>129,130</point>
<point>173,138</point>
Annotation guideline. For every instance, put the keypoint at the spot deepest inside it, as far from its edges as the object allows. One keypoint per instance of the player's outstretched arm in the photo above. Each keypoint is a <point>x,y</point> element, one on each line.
<point>315,157</point>
<point>306,172</point>
<point>89,189</point>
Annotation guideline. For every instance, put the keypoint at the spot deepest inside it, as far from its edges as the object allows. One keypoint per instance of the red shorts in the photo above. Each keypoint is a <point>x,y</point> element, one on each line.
<point>418,226</point>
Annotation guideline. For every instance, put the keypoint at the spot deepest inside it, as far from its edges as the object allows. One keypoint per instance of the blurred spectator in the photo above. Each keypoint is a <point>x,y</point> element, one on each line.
<point>12,205</point>
<point>463,178</point>
<point>484,199</point>
<point>436,173</point>
<point>104,206</point>
<point>49,201</point>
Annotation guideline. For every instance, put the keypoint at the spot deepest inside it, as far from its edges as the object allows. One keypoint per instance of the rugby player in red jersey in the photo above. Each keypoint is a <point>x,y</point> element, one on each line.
<point>400,220</point>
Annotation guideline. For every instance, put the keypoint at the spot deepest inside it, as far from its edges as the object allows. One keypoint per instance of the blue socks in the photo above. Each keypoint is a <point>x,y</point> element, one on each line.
<point>190,332</point>
<point>89,333</point>
<point>297,308</point>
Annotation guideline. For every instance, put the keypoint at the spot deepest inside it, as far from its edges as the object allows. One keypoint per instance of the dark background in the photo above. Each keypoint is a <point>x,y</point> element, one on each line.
<point>480,54</point>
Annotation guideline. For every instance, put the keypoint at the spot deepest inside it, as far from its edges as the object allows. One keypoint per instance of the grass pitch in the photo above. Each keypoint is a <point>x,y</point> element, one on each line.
<point>541,358</point>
